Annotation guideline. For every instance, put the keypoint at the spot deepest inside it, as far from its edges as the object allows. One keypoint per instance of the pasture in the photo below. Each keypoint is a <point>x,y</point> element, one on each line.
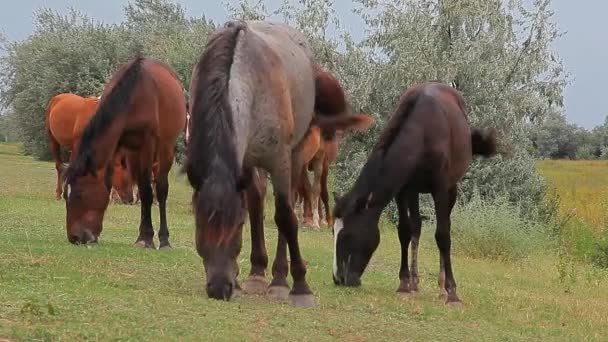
<point>51,290</point>
<point>582,186</point>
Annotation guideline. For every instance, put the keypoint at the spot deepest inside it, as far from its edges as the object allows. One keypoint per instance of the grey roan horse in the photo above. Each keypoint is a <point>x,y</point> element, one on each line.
<point>252,98</point>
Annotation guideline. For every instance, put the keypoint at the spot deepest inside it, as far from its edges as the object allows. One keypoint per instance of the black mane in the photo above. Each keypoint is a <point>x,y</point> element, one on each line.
<point>111,106</point>
<point>211,159</point>
<point>371,171</point>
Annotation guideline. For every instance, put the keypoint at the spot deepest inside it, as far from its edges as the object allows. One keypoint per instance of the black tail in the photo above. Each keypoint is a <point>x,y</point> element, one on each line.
<point>114,104</point>
<point>483,143</point>
<point>211,159</point>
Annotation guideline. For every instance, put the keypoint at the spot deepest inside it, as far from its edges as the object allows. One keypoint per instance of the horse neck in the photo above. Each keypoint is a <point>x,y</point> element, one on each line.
<point>103,146</point>
<point>375,181</point>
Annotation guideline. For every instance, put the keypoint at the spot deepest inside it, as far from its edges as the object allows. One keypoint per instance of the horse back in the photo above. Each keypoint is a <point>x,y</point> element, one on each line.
<point>290,73</point>
<point>68,114</point>
<point>171,103</point>
<point>447,137</point>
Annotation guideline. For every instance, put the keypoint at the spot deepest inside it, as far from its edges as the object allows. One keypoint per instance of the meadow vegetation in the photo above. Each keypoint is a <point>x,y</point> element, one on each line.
<point>51,290</point>
<point>530,238</point>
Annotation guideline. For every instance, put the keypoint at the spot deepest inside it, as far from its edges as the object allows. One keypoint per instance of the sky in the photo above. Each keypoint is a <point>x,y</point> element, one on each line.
<point>583,49</point>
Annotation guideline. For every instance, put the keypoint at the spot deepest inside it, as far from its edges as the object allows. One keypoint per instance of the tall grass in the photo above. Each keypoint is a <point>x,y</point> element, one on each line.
<point>496,229</point>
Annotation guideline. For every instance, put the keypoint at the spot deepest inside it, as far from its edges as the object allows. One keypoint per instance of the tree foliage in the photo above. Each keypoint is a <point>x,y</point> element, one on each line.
<point>496,52</point>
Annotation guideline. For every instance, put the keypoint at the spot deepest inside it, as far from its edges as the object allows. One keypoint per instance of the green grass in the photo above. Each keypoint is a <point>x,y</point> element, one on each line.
<point>51,290</point>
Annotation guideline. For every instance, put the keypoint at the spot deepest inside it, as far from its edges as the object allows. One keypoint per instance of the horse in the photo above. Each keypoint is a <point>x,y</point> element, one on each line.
<point>142,110</point>
<point>425,147</point>
<point>321,149</point>
<point>122,184</point>
<point>67,115</point>
<point>254,92</point>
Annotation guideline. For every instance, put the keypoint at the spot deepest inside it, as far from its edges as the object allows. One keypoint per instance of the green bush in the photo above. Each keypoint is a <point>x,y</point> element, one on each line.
<point>599,257</point>
<point>496,229</point>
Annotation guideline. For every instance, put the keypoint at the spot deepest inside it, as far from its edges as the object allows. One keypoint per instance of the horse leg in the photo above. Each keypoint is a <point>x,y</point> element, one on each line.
<point>165,161</point>
<point>285,218</point>
<point>415,228</point>
<point>325,194</point>
<point>444,199</point>
<point>256,283</point>
<point>142,162</point>
<point>404,231</point>
<point>279,288</point>
<point>307,216</point>
<point>56,151</point>
<point>299,196</point>
<point>317,168</point>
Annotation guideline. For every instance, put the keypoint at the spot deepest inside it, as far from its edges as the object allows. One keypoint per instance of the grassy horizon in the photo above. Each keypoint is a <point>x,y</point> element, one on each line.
<point>53,291</point>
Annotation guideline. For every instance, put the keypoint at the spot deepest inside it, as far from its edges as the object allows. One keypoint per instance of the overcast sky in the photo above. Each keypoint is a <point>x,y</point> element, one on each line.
<point>584,48</point>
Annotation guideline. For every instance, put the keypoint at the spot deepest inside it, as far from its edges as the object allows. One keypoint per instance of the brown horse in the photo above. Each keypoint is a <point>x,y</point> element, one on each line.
<point>252,98</point>
<point>122,184</point>
<point>425,147</point>
<point>67,115</point>
<point>320,149</point>
<point>142,110</point>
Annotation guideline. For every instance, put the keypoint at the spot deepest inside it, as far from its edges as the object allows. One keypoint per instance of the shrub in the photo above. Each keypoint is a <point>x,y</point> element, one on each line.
<point>599,257</point>
<point>496,229</point>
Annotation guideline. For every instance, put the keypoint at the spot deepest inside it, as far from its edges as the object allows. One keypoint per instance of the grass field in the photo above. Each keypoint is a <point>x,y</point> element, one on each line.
<point>51,290</point>
<point>582,187</point>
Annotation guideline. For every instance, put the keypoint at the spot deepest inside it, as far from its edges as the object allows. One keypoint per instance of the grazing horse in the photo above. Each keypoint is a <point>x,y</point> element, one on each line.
<point>425,147</point>
<point>252,97</point>
<point>67,115</point>
<point>142,110</point>
<point>319,151</point>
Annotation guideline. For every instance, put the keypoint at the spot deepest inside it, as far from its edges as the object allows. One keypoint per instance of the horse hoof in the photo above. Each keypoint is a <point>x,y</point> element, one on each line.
<point>280,293</point>
<point>453,300</point>
<point>144,244</point>
<point>303,300</point>
<point>404,287</point>
<point>414,285</point>
<point>165,246</point>
<point>454,303</point>
<point>255,285</point>
<point>236,293</point>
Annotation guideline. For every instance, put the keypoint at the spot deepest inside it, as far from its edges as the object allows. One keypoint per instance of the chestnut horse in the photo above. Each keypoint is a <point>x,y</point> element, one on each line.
<point>252,98</point>
<point>67,115</point>
<point>320,150</point>
<point>142,110</point>
<point>425,147</point>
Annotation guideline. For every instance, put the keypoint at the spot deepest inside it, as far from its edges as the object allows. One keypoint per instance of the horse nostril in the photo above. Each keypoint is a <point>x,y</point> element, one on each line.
<point>220,290</point>
<point>74,239</point>
<point>87,236</point>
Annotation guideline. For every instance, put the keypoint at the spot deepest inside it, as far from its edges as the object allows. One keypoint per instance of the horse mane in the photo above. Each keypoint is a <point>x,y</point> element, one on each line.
<point>114,104</point>
<point>369,174</point>
<point>211,158</point>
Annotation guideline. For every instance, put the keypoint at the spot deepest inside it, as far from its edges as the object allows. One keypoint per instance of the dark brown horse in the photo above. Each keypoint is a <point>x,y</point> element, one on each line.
<point>67,115</point>
<point>425,147</point>
<point>252,98</point>
<point>142,110</point>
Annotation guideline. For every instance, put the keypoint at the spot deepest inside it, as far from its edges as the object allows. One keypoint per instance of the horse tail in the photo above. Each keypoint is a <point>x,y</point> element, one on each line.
<point>212,166</point>
<point>330,124</point>
<point>483,143</point>
<point>330,99</point>
<point>112,105</point>
<point>55,148</point>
